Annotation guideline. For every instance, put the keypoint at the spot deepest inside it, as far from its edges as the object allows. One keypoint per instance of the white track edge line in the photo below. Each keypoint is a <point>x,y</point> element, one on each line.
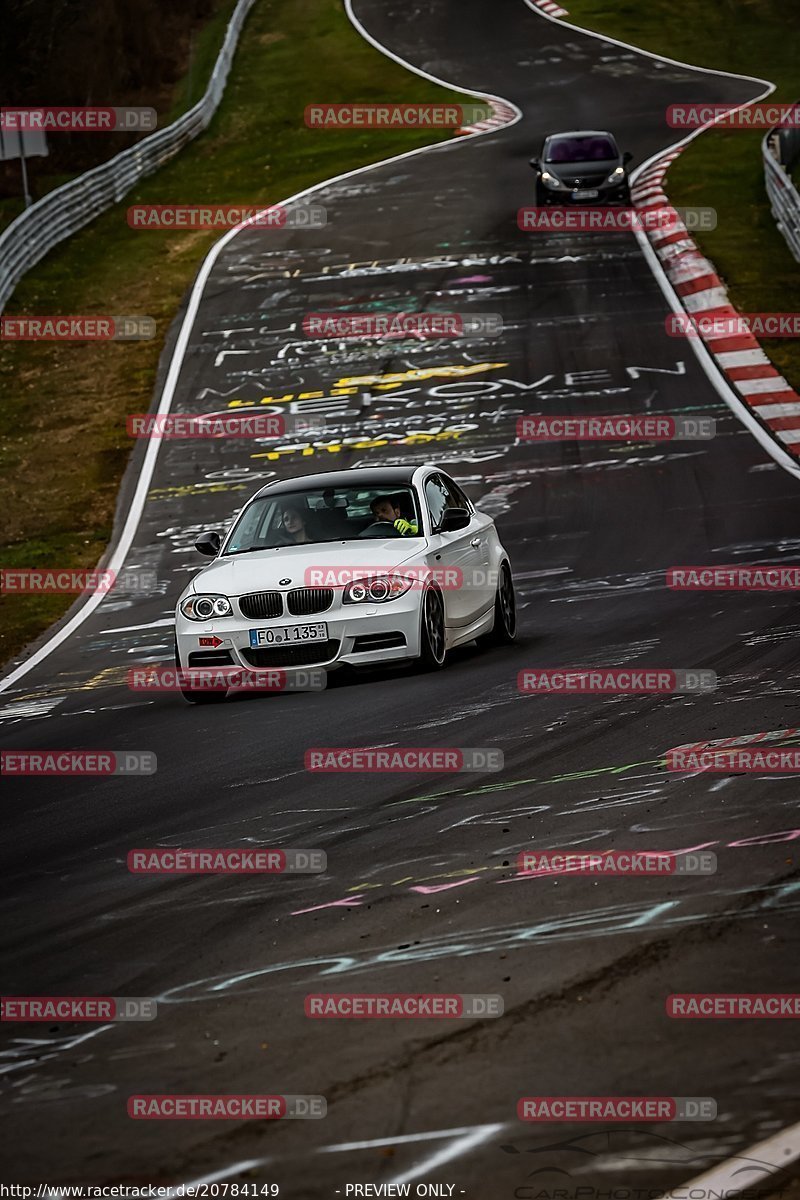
<point>675,62</point>
<point>786,1142</point>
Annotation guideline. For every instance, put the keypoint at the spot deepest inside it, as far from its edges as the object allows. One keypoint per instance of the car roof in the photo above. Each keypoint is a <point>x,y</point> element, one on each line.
<point>581,133</point>
<point>355,477</point>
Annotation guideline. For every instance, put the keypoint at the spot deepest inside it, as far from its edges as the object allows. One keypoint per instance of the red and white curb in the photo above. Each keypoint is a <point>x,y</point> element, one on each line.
<point>502,114</point>
<point>700,290</point>
<point>552,10</point>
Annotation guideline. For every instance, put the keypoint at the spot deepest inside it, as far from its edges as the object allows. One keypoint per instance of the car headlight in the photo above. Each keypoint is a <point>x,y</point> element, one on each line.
<point>551,181</point>
<point>377,590</point>
<point>204,608</point>
<point>617,175</point>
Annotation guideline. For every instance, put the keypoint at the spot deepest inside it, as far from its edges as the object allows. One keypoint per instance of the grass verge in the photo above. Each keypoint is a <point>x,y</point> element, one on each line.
<point>723,169</point>
<point>64,447</point>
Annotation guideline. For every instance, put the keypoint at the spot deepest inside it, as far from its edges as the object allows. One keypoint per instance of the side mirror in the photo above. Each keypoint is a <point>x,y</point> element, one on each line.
<point>209,543</point>
<point>535,162</point>
<point>627,157</point>
<point>453,519</point>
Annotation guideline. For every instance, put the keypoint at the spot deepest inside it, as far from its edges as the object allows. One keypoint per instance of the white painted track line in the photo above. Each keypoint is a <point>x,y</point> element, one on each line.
<point>735,1176</point>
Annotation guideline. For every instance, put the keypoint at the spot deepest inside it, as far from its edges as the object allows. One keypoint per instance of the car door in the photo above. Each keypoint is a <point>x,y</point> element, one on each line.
<point>459,549</point>
<point>484,530</point>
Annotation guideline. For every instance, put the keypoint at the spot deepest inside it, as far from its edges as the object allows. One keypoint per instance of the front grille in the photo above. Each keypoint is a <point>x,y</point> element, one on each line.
<point>210,658</point>
<point>588,181</point>
<point>261,604</point>
<point>302,601</point>
<point>377,641</point>
<point>307,655</point>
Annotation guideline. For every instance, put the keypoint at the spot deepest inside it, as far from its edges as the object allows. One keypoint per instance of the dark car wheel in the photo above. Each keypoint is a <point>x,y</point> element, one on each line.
<point>504,630</point>
<point>432,654</point>
<point>194,695</point>
<point>541,196</point>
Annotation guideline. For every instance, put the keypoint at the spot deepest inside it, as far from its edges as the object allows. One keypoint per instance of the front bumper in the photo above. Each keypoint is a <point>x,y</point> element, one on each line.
<point>619,193</point>
<point>358,635</point>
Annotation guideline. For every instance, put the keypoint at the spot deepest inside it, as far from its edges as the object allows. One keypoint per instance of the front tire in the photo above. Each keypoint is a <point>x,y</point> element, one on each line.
<point>433,654</point>
<point>194,695</point>
<point>504,630</point>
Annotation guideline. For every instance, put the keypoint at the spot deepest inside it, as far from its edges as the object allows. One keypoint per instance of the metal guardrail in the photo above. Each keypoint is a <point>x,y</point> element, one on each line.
<point>781,152</point>
<point>68,208</point>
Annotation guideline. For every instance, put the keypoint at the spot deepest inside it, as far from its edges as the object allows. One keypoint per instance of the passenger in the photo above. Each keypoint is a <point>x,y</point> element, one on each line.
<point>294,524</point>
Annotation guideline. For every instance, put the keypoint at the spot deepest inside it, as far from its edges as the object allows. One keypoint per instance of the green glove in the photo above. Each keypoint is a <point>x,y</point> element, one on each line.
<point>405,527</point>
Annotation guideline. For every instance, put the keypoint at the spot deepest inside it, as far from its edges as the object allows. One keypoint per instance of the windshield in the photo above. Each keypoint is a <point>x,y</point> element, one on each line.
<point>581,149</point>
<point>323,515</point>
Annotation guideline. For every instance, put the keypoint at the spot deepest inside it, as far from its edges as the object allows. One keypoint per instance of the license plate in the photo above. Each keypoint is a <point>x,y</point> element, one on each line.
<point>585,195</point>
<point>292,634</point>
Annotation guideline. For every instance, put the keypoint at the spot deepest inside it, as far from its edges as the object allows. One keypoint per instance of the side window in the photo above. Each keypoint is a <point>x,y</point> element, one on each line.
<point>457,497</point>
<point>439,498</point>
<point>251,527</point>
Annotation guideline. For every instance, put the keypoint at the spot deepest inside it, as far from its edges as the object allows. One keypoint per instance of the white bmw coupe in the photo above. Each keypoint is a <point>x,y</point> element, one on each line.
<point>358,567</point>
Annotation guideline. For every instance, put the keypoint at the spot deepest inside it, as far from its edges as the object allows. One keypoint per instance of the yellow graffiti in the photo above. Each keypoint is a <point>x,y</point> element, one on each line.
<point>413,439</point>
<point>383,383</point>
<point>456,372</point>
<point>289,396</point>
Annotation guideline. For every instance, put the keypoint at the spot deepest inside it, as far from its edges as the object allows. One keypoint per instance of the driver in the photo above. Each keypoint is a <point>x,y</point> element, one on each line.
<point>385,509</point>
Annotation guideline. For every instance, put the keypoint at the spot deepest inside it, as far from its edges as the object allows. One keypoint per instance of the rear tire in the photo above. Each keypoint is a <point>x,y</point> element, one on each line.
<point>194,695</point>
<point>504,630</point>
<point>433,655</point>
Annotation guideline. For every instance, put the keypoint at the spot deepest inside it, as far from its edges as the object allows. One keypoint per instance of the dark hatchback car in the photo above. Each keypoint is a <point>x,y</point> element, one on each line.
<point>581,167</point>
